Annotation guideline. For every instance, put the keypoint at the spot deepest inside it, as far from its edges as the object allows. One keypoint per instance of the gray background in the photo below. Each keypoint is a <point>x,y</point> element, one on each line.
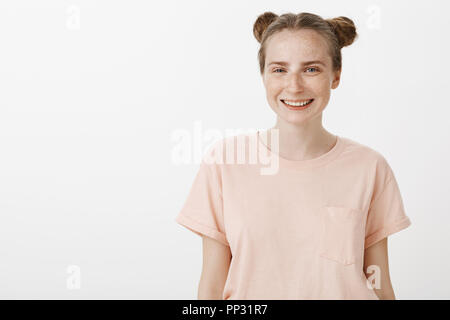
<point>93,91</point>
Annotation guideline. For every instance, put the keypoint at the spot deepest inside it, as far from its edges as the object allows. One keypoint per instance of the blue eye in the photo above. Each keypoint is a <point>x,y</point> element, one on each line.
<point>312,68</point>
<point>281,70</point>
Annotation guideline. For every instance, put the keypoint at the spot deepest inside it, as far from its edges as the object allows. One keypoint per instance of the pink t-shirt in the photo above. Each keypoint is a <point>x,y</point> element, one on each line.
<point>298,233</point>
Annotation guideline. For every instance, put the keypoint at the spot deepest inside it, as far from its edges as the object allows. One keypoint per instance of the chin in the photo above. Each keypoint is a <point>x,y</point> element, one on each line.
<point>296,120</point>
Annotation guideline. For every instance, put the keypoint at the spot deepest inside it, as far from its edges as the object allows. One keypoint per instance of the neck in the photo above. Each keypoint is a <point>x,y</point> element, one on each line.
<point>304,141</point>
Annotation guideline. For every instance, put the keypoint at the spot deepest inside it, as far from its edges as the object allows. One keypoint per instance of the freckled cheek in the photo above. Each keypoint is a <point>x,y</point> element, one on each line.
<point>320,88</point>
<point>274,90</point>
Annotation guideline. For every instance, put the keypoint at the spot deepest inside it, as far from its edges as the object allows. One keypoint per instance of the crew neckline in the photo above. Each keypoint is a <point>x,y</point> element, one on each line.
<point>305,164</point>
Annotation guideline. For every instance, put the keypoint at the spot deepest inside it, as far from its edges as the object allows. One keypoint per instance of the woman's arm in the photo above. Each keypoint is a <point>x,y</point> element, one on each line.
<point>216,262</point>
<point>377,255</point>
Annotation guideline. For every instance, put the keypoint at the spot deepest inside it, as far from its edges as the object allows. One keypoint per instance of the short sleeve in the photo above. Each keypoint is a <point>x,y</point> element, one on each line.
<point>202,211</point>
<point>386,214</point>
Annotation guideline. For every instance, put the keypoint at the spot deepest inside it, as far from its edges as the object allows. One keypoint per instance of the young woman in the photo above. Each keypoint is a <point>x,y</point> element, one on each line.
<point>317,228</point>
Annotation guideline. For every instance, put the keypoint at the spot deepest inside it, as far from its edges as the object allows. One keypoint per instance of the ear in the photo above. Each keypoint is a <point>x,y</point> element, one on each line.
<point>336,79</point>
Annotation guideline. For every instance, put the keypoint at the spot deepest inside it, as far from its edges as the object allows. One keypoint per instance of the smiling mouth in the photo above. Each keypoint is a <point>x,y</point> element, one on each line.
<point>297,105</point>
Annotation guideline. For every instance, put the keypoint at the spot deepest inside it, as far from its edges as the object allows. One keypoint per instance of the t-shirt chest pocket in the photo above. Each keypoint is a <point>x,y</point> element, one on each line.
<point>342,234</point>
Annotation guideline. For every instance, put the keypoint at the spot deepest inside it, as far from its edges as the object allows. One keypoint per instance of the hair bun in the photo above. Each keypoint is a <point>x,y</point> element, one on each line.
<point>261,24</point>
<point>345,30</point>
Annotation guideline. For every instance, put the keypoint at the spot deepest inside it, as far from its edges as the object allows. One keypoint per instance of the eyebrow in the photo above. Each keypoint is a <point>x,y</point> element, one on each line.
<point>283,63</point>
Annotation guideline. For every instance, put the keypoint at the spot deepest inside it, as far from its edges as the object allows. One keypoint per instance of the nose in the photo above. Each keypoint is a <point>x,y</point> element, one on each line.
<point>295,82</point>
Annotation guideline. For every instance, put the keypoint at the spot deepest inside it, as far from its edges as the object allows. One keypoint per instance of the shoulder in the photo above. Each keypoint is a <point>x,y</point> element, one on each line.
<point>358,149</point>
<point>370,158</point>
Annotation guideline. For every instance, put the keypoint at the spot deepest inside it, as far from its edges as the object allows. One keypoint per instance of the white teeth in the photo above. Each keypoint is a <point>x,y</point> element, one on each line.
<point>297,104</point>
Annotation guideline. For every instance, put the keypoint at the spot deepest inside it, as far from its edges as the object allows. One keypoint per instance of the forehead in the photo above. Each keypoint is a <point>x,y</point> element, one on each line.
<point>299,45</point>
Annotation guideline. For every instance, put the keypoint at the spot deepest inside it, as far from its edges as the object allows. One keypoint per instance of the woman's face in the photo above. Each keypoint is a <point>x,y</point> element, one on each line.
<point>298,67</point>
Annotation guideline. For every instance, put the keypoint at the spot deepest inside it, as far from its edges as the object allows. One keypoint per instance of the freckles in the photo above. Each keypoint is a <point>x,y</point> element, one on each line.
<point>322,85</point>
<point>274,87</point>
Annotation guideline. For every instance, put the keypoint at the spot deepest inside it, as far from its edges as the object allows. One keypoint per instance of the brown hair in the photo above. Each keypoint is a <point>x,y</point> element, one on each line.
<point>339,32</point>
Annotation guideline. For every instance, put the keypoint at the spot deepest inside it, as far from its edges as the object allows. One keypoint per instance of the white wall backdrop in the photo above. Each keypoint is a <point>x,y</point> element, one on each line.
<point>91,92</point>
